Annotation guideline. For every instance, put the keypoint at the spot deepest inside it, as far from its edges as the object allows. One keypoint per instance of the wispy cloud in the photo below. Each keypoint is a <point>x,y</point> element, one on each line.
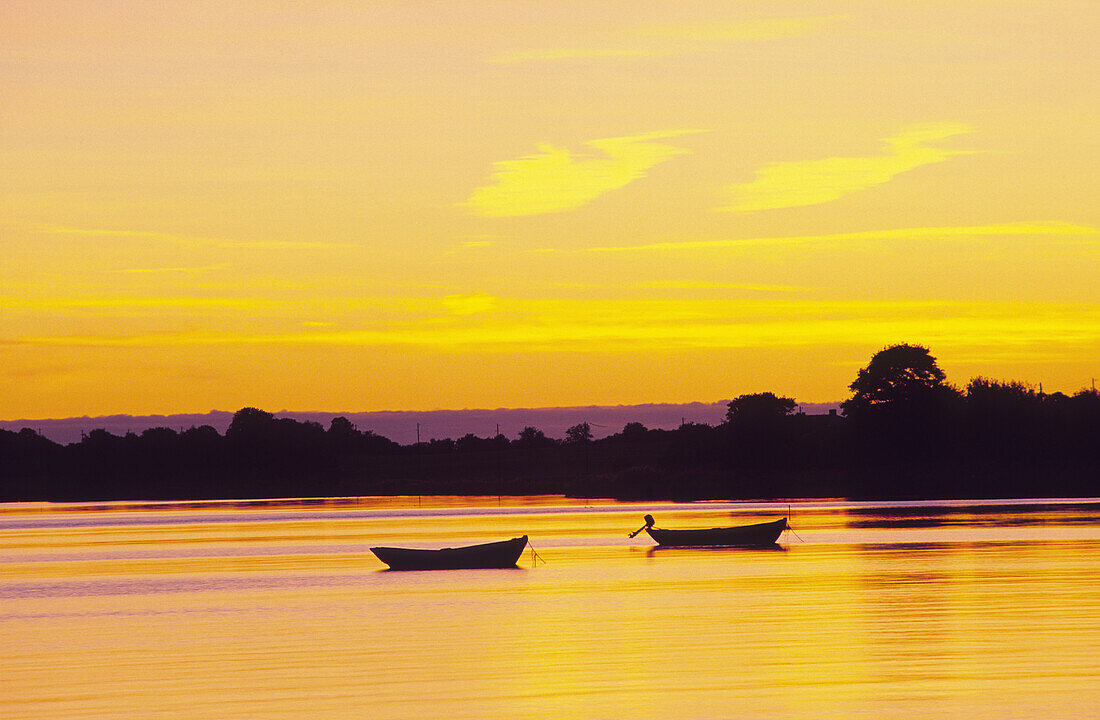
<point>285,245</point>
<point>676,287</point>
<point>172,270</point>
<point>703,285</point>
<point>117,302</point>
<point>96,232</point>
<point>926,233</point>
<point>190,239</point>
<point>741,29</point>
<point>615,325</point>
<point>554,179</point>
<point>811,182</point>
<point>670,39</point>
<point>469,304</point>
<point>471,246</point>
<point>573,53</point>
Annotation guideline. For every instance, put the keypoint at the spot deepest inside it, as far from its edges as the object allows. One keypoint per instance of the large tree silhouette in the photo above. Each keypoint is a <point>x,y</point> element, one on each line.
<point>904,414</point>
<point>899,377</point>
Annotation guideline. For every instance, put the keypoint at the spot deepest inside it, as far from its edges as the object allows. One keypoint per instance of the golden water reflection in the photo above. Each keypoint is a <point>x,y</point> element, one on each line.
<point>278,610</point>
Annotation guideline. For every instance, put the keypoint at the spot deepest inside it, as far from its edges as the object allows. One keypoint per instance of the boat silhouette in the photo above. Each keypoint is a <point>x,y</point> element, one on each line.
<point>757,535</point>
<point>502,554</point>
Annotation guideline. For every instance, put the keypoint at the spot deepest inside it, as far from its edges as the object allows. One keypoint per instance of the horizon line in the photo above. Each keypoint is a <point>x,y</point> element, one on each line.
<point>522,408</point>
<point>404,426</point>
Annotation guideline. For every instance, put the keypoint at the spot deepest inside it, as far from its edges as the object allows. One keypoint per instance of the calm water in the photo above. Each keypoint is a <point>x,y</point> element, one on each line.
<point>242,610</point>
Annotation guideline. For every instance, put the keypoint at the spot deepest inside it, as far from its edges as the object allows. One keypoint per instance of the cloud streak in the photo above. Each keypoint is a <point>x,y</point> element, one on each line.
<point>671,39</point>
<point>190,240</point>
<point>172,270</point>
<point>554,179</point>
<point>133,303</point>
<point>812,182</point>
<point>655,325</point>
<point>928,233</point>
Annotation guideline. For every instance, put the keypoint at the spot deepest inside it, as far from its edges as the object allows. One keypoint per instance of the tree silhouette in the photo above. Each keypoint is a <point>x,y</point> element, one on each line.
<point>343,428</point>
<point>899,376</point>
<point>580,433</point>
<point>342,435</point>
<point>532,436</point>
<point>904,413</point>
<point>759,406</point>
<point>1004,419</point>
<point>250,423</point>
<point>906,433</point>
<point>757,433</point>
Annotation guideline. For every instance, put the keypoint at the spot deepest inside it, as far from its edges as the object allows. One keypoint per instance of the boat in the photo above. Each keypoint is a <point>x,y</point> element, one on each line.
<point>502,554</point>
<point>758,535</point>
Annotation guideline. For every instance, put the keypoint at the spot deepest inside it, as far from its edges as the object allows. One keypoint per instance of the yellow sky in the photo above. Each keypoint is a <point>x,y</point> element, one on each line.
<point>363,206</point>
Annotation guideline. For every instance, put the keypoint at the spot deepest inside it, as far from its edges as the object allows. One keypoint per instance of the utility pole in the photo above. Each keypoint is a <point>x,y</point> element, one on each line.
<point>419,464</point>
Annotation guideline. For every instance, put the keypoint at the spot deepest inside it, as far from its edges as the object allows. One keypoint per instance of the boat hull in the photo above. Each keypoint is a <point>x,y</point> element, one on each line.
<point>502,554</point>
<point>761,534</point>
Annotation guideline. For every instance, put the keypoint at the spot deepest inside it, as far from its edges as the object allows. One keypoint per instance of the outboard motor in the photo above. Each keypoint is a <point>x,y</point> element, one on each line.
<point>648,524</point>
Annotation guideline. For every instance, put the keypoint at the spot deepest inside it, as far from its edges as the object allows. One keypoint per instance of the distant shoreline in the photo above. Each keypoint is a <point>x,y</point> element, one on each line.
<point>905,434</point>
<point>430,504</point>
<point>401,425</point>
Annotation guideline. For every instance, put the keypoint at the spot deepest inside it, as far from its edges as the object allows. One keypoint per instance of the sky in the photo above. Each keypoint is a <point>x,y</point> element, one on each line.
<point>365,206</point>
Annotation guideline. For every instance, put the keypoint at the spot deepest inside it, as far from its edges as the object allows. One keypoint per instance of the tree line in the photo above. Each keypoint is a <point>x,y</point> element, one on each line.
<point>905,432</point>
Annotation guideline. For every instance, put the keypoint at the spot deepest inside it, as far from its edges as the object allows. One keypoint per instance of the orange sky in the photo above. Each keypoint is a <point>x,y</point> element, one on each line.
<point>414,205</point>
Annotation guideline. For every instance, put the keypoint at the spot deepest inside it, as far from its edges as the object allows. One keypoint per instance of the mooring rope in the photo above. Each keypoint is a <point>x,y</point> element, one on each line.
<point>535,557</point>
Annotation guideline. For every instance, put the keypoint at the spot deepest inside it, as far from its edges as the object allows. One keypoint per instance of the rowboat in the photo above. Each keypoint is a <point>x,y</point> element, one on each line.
<point>503,554</point>
<point>758,535</point>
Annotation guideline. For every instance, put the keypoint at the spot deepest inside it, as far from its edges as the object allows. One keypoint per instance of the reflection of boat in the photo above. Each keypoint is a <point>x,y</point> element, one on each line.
<point>657,550</point>
<point>503,554</point>
<point>761,534</point>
